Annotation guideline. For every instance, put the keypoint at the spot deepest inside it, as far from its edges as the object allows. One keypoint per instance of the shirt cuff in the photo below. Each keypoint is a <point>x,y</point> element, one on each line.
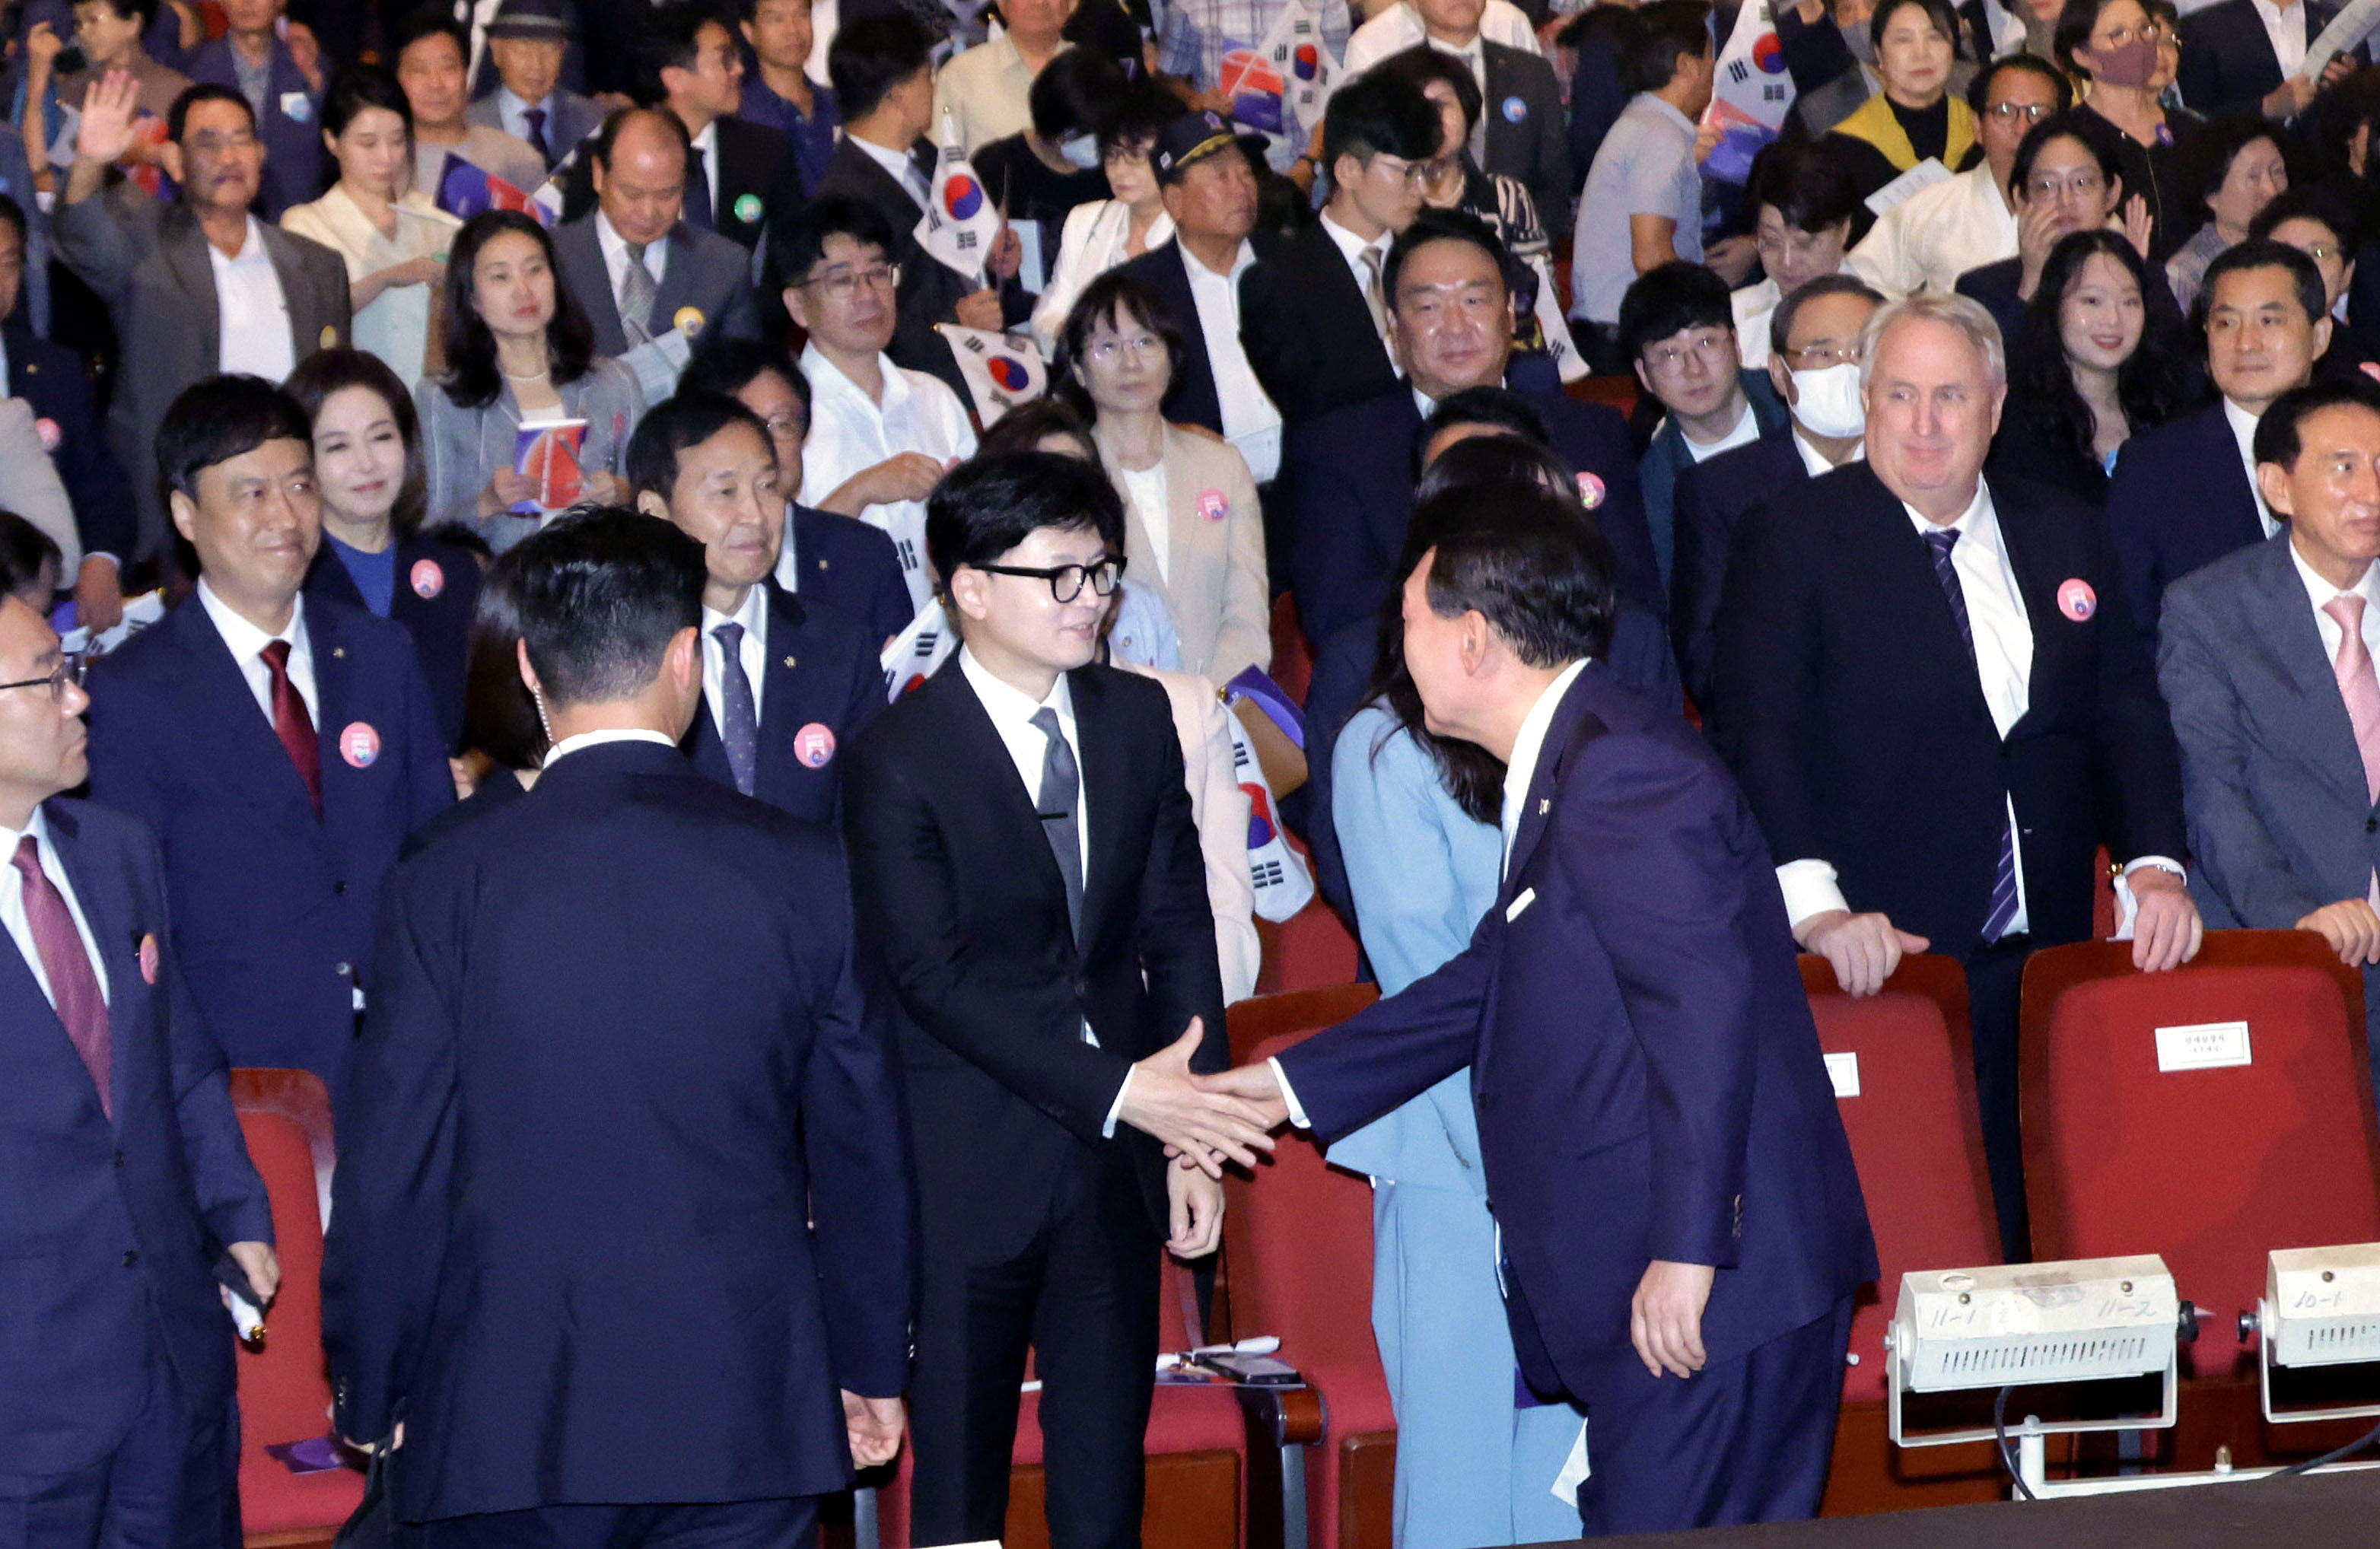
<point>91,554</point>
<point>1289,1095</point>
<point>1115,1109</point>
<point>2128,907</point>
<point>1809,888</point>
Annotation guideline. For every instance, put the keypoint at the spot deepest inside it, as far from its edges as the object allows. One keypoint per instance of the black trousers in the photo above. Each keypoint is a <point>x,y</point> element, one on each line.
<point>787,1522</point>
<point>1082,1296</point>
<point>168,1485</point>
<point>1995,998</point>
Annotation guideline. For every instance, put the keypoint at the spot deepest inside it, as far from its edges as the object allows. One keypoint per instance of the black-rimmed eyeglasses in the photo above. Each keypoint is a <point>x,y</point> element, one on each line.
<point>1066,581</point>
<point>70,670</point>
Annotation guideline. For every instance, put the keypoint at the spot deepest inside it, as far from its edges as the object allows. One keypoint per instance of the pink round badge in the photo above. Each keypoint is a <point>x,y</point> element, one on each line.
<point>1212,505</point>
<point>2076,599</point>
<point>1590,491</point>
<point>359,744</point>
<point>148,958</point>
<point>428,579</point>
<point>814,745</point>
<point>48,429</point>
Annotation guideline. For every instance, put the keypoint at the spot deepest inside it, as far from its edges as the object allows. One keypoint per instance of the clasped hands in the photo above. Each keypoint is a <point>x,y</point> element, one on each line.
<point>1204,1121</point>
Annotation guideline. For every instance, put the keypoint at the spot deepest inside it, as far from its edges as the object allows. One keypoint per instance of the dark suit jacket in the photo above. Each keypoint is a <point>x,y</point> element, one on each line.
<point>148,261</point>
<point>498,790</point>
<point>1307,331</point>
<point>296,162</point>
<point>755,161</point>
<point>852,568</point>
<point>700,269</point>
<point>2180,500</point>
<point>2228,64</point>
<point>108,1227</point>
<point>930,289</point>
<point>1526,137</point>
<point>821,672</point>
<point>1712,499</point>
<point>50,378</point>
<point>1850,709</point>
<point>962,907</point>
<point>1647,1075</point>
<point>609,1160</point>
<point>437,592</point>
<point>1349,487</point>
<point>1192,400</point>
<point>273,905</point>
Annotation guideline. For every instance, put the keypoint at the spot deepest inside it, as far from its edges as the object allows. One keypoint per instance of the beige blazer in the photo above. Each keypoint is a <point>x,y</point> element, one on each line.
<point>1214,582</point>
<point>1218,807</point>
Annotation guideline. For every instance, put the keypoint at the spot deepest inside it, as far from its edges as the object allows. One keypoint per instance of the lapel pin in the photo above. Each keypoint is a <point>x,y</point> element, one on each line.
<point>821,565</point>
<point>148,955</point>
<point>789,662</point>
<point>1545,804</point>
<point>2077,600</point>
<point>340,652</point>
<point>359,744</point>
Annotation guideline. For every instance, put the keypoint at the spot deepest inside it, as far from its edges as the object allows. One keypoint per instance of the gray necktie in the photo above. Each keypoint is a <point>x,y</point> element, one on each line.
<point>637,294</point>
<point>739,718</point>
<point>1062,789</point>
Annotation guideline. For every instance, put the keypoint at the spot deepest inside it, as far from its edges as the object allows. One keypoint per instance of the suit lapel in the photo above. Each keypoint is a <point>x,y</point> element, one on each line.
<point>975,746</point>
<point>308,330</point>
<point>256,747</point>
<point>1103,791</point>
<point>186,251</point>
<point>2036,592</point>
<point>114,932</point>
<point>1190,539</point>
<point>1907,570</point>
<point>677,272</point>
<point>782,686</point>
<point>2284,615</point>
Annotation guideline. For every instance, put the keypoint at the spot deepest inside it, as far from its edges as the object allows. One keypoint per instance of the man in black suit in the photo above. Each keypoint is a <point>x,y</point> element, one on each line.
<point>1210,183</point>
<point>1932,691</point>
<point>612,1162</point>
<point>2184,494</point>
<point>2230,63</point>
<point>785,686</point>
<point>1347,477</point>
<point>1521,134</point>
<point>1314,320</point>
<point>1814,364</point>
<point>1029,882</point>
<point>639,163</point>
<point>741,171</point>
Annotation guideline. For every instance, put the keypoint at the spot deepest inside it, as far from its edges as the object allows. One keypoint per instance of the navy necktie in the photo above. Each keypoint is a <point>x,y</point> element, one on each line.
<point>698,193</point>
<point>739,719</point>
<point>1060,791</point>
<point>533,119</point>
<point>1941,540</point>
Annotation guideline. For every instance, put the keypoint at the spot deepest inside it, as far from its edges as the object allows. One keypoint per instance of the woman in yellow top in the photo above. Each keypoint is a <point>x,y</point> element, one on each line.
<point>1915,118</point>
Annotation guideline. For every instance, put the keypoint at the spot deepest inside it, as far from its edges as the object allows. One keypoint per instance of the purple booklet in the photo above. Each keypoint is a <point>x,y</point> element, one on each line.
<point>314,1455</point>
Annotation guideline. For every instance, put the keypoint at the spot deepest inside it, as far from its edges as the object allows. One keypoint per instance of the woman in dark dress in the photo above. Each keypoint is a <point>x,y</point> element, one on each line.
<point>2125,53</point>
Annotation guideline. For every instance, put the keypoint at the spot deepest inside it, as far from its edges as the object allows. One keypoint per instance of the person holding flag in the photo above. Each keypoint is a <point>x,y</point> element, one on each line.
<point>1216,56</point>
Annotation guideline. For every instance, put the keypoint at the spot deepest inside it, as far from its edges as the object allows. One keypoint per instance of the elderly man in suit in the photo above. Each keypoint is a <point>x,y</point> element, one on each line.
<point>1934,695</point>
<point>636,268</point>
<point>1674,1191</point>
<point>611,1162</point>
<point>128,1176</point>
<point>280,745</point>
<point>200,286</point>
<point>526,43</point>
<point>2266,657</point>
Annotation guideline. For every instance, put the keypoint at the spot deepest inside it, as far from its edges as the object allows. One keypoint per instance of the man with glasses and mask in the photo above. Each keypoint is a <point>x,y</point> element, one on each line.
<point>880,435</point>
<point>1027,877</point>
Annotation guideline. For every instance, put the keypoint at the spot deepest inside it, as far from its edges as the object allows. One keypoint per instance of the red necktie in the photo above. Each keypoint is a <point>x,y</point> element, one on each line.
<point>74,988</point>
<point>291,723</point>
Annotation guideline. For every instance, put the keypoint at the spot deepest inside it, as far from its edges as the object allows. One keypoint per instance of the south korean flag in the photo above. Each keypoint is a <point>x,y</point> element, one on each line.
<point>911,656</point>
<point>960,223</point>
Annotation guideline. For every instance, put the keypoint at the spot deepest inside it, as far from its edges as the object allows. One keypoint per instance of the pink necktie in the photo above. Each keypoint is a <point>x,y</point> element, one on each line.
<point>74,988</point>
<point>2357,686</point>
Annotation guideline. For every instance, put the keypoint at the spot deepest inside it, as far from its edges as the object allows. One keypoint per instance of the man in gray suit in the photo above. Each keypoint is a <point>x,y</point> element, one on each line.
<point>195,287</point>
<point>2266,659</point>
<point>527,42</point>
<point>638,270</point>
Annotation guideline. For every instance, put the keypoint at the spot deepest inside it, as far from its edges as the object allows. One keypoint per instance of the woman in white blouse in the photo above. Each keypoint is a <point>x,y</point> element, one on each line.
<point>1193,532</point>
<point>395,240</point>
<point>1105,233</point>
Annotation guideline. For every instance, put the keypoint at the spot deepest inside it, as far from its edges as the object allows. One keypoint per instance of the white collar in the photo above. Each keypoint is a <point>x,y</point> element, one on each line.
<point>1732,432</point>
<point>1348,243</point>
<point>245,639</point>
<point>894,161</point>
<point>1474,51</point>
<point>1528,745</point>
<point>1009,706</point>
<point>707,141</point>
<point>1240,264</point>
<point>251,250</point>
<point>613,245</point>
<point>569,745</point>
<point>517,104</point>
<point>755,609</point>
<point>2319,590</point>
<point>1663,108</point>
<point>828,379</point>
<point>1979,522</point>
<point>1816,464</point>
<point>38,826</point>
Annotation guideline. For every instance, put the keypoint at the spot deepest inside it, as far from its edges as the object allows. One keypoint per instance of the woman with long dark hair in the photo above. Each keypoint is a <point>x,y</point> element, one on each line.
<point>519,353</point>
<point>2092,366</point>
<point>504,737</point>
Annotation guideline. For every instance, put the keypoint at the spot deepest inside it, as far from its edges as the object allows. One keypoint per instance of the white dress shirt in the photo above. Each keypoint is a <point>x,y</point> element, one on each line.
<point>569,745</point>
<point>1399,27</point>
<point>251,312</point>
<point>753,652</point>
<point>898,164</point>
<point>707,145</point>
<point>850,433</point>
<point>2243,430</point>
<point>614,248</point>
<point>248,643</point>
<point>2319,591</point>
<point>1816,463</point>
<point>2285,25</point>
<point>20,928</point>
<point>1370,271</point>
<point>1250,421</point>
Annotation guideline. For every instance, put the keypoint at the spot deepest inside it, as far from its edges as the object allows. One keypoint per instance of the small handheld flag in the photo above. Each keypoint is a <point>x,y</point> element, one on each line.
<point>1002,370</point>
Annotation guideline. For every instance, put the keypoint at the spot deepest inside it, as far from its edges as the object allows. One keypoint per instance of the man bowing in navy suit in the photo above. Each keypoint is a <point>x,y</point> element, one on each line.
<point>126,1173</point>
<point>1681,1227</point>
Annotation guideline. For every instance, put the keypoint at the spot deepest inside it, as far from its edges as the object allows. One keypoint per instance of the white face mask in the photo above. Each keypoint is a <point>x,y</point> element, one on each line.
<point>1082,152</point>
<point>1826,401</point>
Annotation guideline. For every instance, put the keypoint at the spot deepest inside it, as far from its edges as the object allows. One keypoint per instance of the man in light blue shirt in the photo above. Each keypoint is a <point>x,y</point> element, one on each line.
<point>527,42</point>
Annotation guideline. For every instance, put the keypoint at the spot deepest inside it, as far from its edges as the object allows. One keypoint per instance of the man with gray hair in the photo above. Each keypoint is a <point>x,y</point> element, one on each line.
<point>1932,691</point>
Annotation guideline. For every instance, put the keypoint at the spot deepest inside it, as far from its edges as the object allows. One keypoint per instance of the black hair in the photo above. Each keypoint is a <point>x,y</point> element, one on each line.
<point>2278,431</point>
<point>1519,557</point>
<point>13,214</point>
<point>1810,183</point>
<point>1422,64</point>
<point>1979,91</point>
<point>675,426</point>
<point>2307,201</point>
<point>871,55</point>
<point>217,419</point>
<point>499,718</point>
<point>987,506</point>
<point>2075,25</point>
<point>1938,12</point>
<point>800,241</point>
<point>178,115</point>
<point>727,365</point>
<point>1780,321</point>
<point>2305,279</point>
<point>1507,410</point>
<point>1112,294</point>
<point>1025,426</point>
<point>2094,134</point>
<point>1662,33</point>
<point>433,19</point>
<point>462,535</point>
<point>358,86</point>
<point>2348,107</point>
<point>24,550</point>
<point>1445,225</point>
<point>328,371</point>
<point>1669,298</point>
<point>1136,117</point>
<point>2152,383</point>
<point>145,11</point>
<point>1074,94</point>
<point>1378,112</point>
<point>2207,154</point>
<point>608,137</point>
<point>669,37</point>
<point>600,594</point>
<point>473,380</point>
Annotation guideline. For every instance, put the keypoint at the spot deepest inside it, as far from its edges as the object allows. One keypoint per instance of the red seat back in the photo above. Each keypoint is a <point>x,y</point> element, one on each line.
<point>1915,1134</point>
<point>2211,1167</point>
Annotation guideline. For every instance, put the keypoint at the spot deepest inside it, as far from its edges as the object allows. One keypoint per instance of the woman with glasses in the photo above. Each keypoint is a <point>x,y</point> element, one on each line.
<point>1193,532</point>
<point>2088,370</point>
<point>2126,55</point>
<point>1127,224</point>
<point>2235,168</point>
<point>519,354</point>
<point>1914,118</point>
<point>1802,199</point>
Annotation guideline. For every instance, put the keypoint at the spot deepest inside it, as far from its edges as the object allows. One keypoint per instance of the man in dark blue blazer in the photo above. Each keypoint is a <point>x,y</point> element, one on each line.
<point>288,110</point>
<point>282,746</point>
<point>622,1229</point>
<point>1347,477</point>
<point>2183,494</point>
<point>127,1178</point>
<point>786,687</point>
<point>1661,1148</point>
